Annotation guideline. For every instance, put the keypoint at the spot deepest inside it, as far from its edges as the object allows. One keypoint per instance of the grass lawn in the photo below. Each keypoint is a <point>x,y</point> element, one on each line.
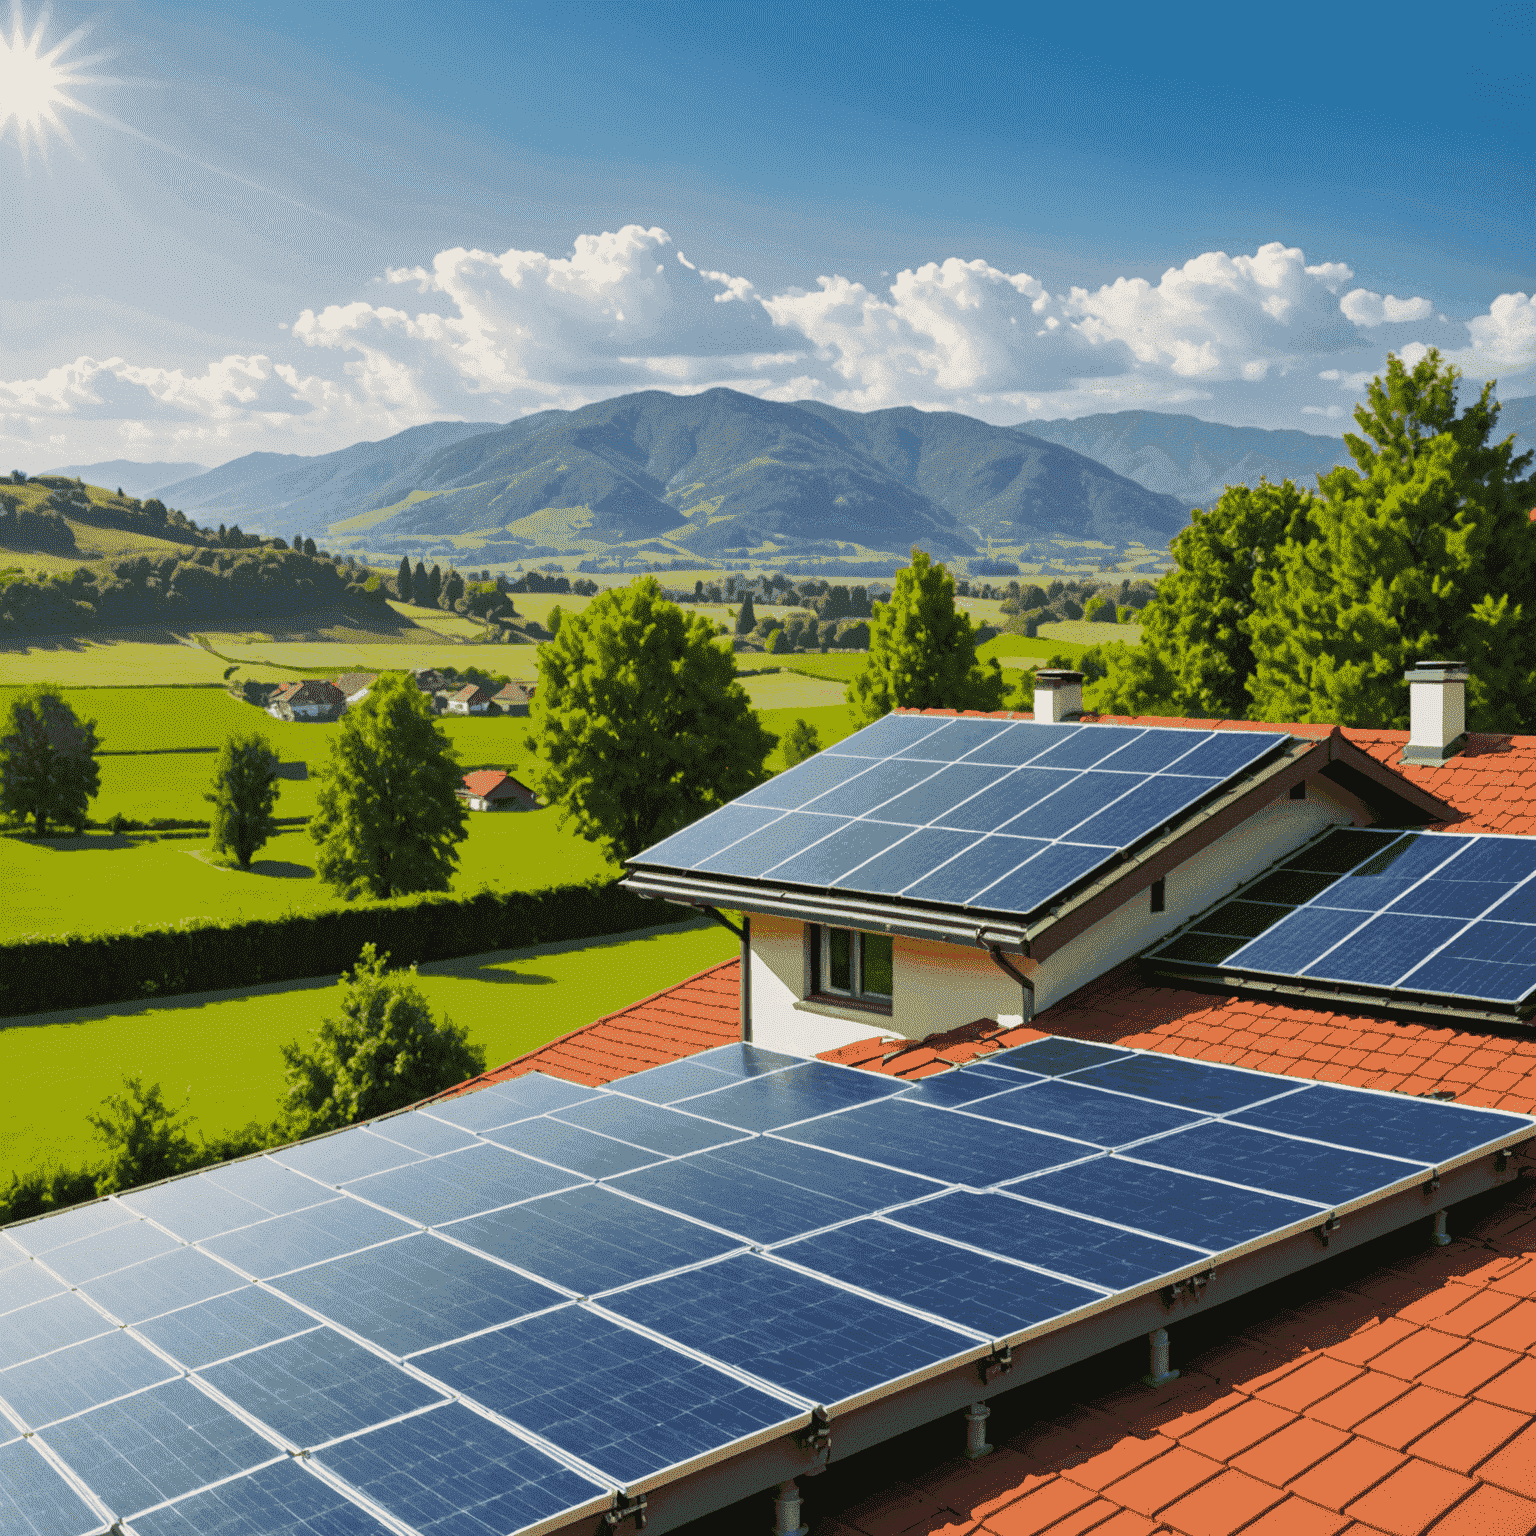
<point>223,1046</point>
<point>839,667</point>
<point>100,883</point>
<point>831,723</point>
<point>75,663</point>
<point>792,690</point>
<point>1081,632</point>
<point>144,719</point>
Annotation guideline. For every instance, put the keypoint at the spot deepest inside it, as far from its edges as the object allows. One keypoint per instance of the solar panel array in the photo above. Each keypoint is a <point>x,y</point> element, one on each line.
<point>1421,913</point>
<point>493,1315</point>
<point>990,814</point>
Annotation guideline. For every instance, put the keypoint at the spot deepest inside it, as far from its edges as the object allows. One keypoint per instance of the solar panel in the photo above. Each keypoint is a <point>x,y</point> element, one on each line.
<point>1446,917</point>
<point>909,806</point>
<point>353,1154</point>
<point>794,1234</point>
<point>422,1133</point>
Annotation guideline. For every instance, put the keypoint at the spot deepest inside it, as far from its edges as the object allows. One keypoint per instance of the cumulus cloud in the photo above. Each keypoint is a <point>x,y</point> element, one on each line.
<point>1371,309</point>
<point>489,335</point>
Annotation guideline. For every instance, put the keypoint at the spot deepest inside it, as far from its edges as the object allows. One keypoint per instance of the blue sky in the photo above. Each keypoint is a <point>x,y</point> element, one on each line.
<point>349,218</point>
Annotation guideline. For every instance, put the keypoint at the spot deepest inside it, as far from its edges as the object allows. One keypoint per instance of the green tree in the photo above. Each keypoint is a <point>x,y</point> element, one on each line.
<point>552,623</point>
<point>419,585</point>
<point>244,794</point>
<point>746,620</point>
<point>1423,549</point>
<point>389,817</point>
<point>775,641</point>
<point>922,651</point>
<point>453,589</point>
<point>639,723</point>
<point>146,1139</point>
<point>382,1051</point>
<point>434,588</point>
<point>800,742</point>
<point>1195,658</point>
<point>403,579</point>
<point>47,761</point>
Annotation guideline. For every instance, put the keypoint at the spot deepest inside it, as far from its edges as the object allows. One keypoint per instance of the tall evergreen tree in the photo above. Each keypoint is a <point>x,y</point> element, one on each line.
<point>453,589</point>
<point>922,651</point>
<point>434,586</point>
<point>48,766</point>
<point>1423,550</point>
<point>403,579</point>
<point>746,620</point>
<point>389,817</point>
<point>244,796</point>
<point>419,584</point>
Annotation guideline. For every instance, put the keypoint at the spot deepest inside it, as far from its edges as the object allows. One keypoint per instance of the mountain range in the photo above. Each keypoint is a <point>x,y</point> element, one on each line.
<point>133,477</point>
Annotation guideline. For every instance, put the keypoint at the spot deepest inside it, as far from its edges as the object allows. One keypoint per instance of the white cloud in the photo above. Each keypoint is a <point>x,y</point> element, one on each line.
<point>1370,309</point>
<point>1503,340</point>
<point>90,390</point>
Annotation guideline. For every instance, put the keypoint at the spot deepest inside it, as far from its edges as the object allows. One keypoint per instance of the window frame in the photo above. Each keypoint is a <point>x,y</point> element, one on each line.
<point>818,940</point>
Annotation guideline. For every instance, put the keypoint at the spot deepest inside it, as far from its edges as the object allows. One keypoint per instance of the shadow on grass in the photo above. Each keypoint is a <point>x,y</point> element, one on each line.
<point>272,869</point>
<point>87,842</point>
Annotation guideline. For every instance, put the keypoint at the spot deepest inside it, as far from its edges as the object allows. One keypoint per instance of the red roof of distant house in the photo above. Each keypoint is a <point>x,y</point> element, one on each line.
<point>472,693</point>
<point>489,783</point>
<point>515,693</point>
<point>315,690</point>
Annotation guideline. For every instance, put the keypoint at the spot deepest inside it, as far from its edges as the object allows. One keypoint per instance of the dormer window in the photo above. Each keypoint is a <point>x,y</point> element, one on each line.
<point>852,967</point>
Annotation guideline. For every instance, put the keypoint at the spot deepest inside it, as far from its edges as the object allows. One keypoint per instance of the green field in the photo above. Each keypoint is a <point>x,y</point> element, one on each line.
<point>223,1046</point>
<point>791,690</point>
<point>99,882</point>
<point>1081,632</point>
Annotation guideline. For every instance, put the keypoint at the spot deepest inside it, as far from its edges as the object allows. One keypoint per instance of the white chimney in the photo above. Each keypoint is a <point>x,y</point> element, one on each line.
<point>1437,711</point>
<point>1058,695</point>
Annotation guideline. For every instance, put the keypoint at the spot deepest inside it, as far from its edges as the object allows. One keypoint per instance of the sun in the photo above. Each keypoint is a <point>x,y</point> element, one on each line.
<point>35,86</point>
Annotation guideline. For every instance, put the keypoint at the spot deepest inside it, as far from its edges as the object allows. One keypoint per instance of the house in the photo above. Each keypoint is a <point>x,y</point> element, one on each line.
<point>471,699</point>
<point>429,680</point>
<point>489,789</point>
<point>355,685</point>
<point>514,698</point>
<point>313,699</point>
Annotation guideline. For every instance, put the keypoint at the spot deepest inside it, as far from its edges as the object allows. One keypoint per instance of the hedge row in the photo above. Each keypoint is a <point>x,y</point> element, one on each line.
<point>77,970</point>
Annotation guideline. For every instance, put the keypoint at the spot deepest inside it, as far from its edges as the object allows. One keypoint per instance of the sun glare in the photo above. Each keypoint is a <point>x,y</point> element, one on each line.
<point>35,85</point>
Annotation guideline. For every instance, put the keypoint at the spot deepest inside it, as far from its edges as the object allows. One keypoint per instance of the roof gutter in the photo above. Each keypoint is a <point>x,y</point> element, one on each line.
<point>744,933</point>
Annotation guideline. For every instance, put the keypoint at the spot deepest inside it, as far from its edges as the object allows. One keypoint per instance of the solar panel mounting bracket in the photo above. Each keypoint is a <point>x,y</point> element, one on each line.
<point>1433,1184</point>
<point>1192,1287</point>
<point>1328,1228</point>
<point>998,1363</point>
<point>626,1509</point>
<point>1501,1160</point>
<point>817,1435</point>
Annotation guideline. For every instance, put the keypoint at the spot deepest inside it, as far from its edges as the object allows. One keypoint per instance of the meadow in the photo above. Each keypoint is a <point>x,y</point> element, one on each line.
<point>218,1051</point>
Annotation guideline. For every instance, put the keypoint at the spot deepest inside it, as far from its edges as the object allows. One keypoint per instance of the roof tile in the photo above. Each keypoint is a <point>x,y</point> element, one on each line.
<point>1315,1379</point>
<point>1108,1466</point>
<point>1468,1369</point>
<point>1411,1499</point>
<point>1490,1512</point>
<point>1470,1436</point>
<point>1509,1327</point>
<point>1234,1432</point>
<point>1227,1503</point>
<point>1039,1509</point>
<point>1514,1388</point>
<point>1403,1421</point>
<point>1296,1517</point>
<point>1340,1479</point>
<point>1288,1453</point>
<point>1159,1483</point>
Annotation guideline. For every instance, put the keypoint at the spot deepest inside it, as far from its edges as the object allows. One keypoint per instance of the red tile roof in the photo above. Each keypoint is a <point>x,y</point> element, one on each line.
<point>486,782</point>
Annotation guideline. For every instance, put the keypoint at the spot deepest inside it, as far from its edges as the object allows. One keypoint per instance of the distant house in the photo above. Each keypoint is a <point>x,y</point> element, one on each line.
<point>489,789</point>
<point>355,685</point>
<point>429,680</point>
<point>471,699</point>
<point>313,699</point>
<point>514,699</point>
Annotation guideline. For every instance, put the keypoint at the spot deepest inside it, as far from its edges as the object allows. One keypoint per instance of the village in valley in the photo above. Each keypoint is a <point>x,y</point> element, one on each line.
<point>859,902</point>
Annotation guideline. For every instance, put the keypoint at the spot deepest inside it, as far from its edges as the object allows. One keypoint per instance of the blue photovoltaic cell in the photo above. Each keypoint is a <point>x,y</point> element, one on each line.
<point>1385,949</point>
<point>942,792</point>
<point>461,1184</point>
<point>803,1335</point>
<point>80,1377</point>
<point>1008,798</point>
<point>24,1283</point>
<point>1472,978</point>
<point>798,786</point>
<point>775,843</point>
<point>45,1325</point>
<point>710,1069</point>
<point>1103,1118</point>
<point>813,1088</point>
<point>306,1237</point>
<point>280,1500</point>
<point>52,1232</point>
<point>730,824</point>
<point>1518,907</point>
<point>1505,860</point>
<point>984,863</point>
<point>1229,752</point>
<point>175,1279</point>
<point>590,1239</point>
<point>1142,809</point>
<point>352,1154</point>
<point>453,1473</point>
<point>1362,893</point>
<point>225,1326</point>
<point>1177,1080</point>
<point>1055,1056</point>
<point>840,854</point>
<point>1506,943</point>
<point>416,1293</point>
<point>768,1190</point>
<point>318,1386</point>
<point>195,1208</point>
<point>571,1146</point>
<point>986,1294</point>
<point>951,1090</point>
<point>889,735</point>
<point>157,1445</point>
<point>1045,876</point>
<point>1464,899</point>
<point>672,1132</point>
<point>1074,802</point>
<point>872,788</point>
<point>1155,751</point>
<point>1184,1209</point>
<point>1388,1123</point>
<point>1301,1169</point>
<point>421,1133</point>
<point>522,1373</point>
<point>1022,741</point>
<point>1096,1252</point>
<point>35,1500</point>
<point>889,873</point>
<point>1090,745</point>
<point>84,1260</point>
<point>269,1185</point>
<point>1297,940</point>
<point>937,1144</point>
<point>956,739</point>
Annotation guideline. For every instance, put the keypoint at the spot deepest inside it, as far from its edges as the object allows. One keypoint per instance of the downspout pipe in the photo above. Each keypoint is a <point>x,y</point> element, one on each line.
<point>744,933</point>
<point>1004,964</point>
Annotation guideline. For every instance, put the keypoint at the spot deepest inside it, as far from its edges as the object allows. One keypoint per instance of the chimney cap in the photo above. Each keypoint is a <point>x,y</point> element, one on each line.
<point>1437,672</point>
<point>1056,677</point>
